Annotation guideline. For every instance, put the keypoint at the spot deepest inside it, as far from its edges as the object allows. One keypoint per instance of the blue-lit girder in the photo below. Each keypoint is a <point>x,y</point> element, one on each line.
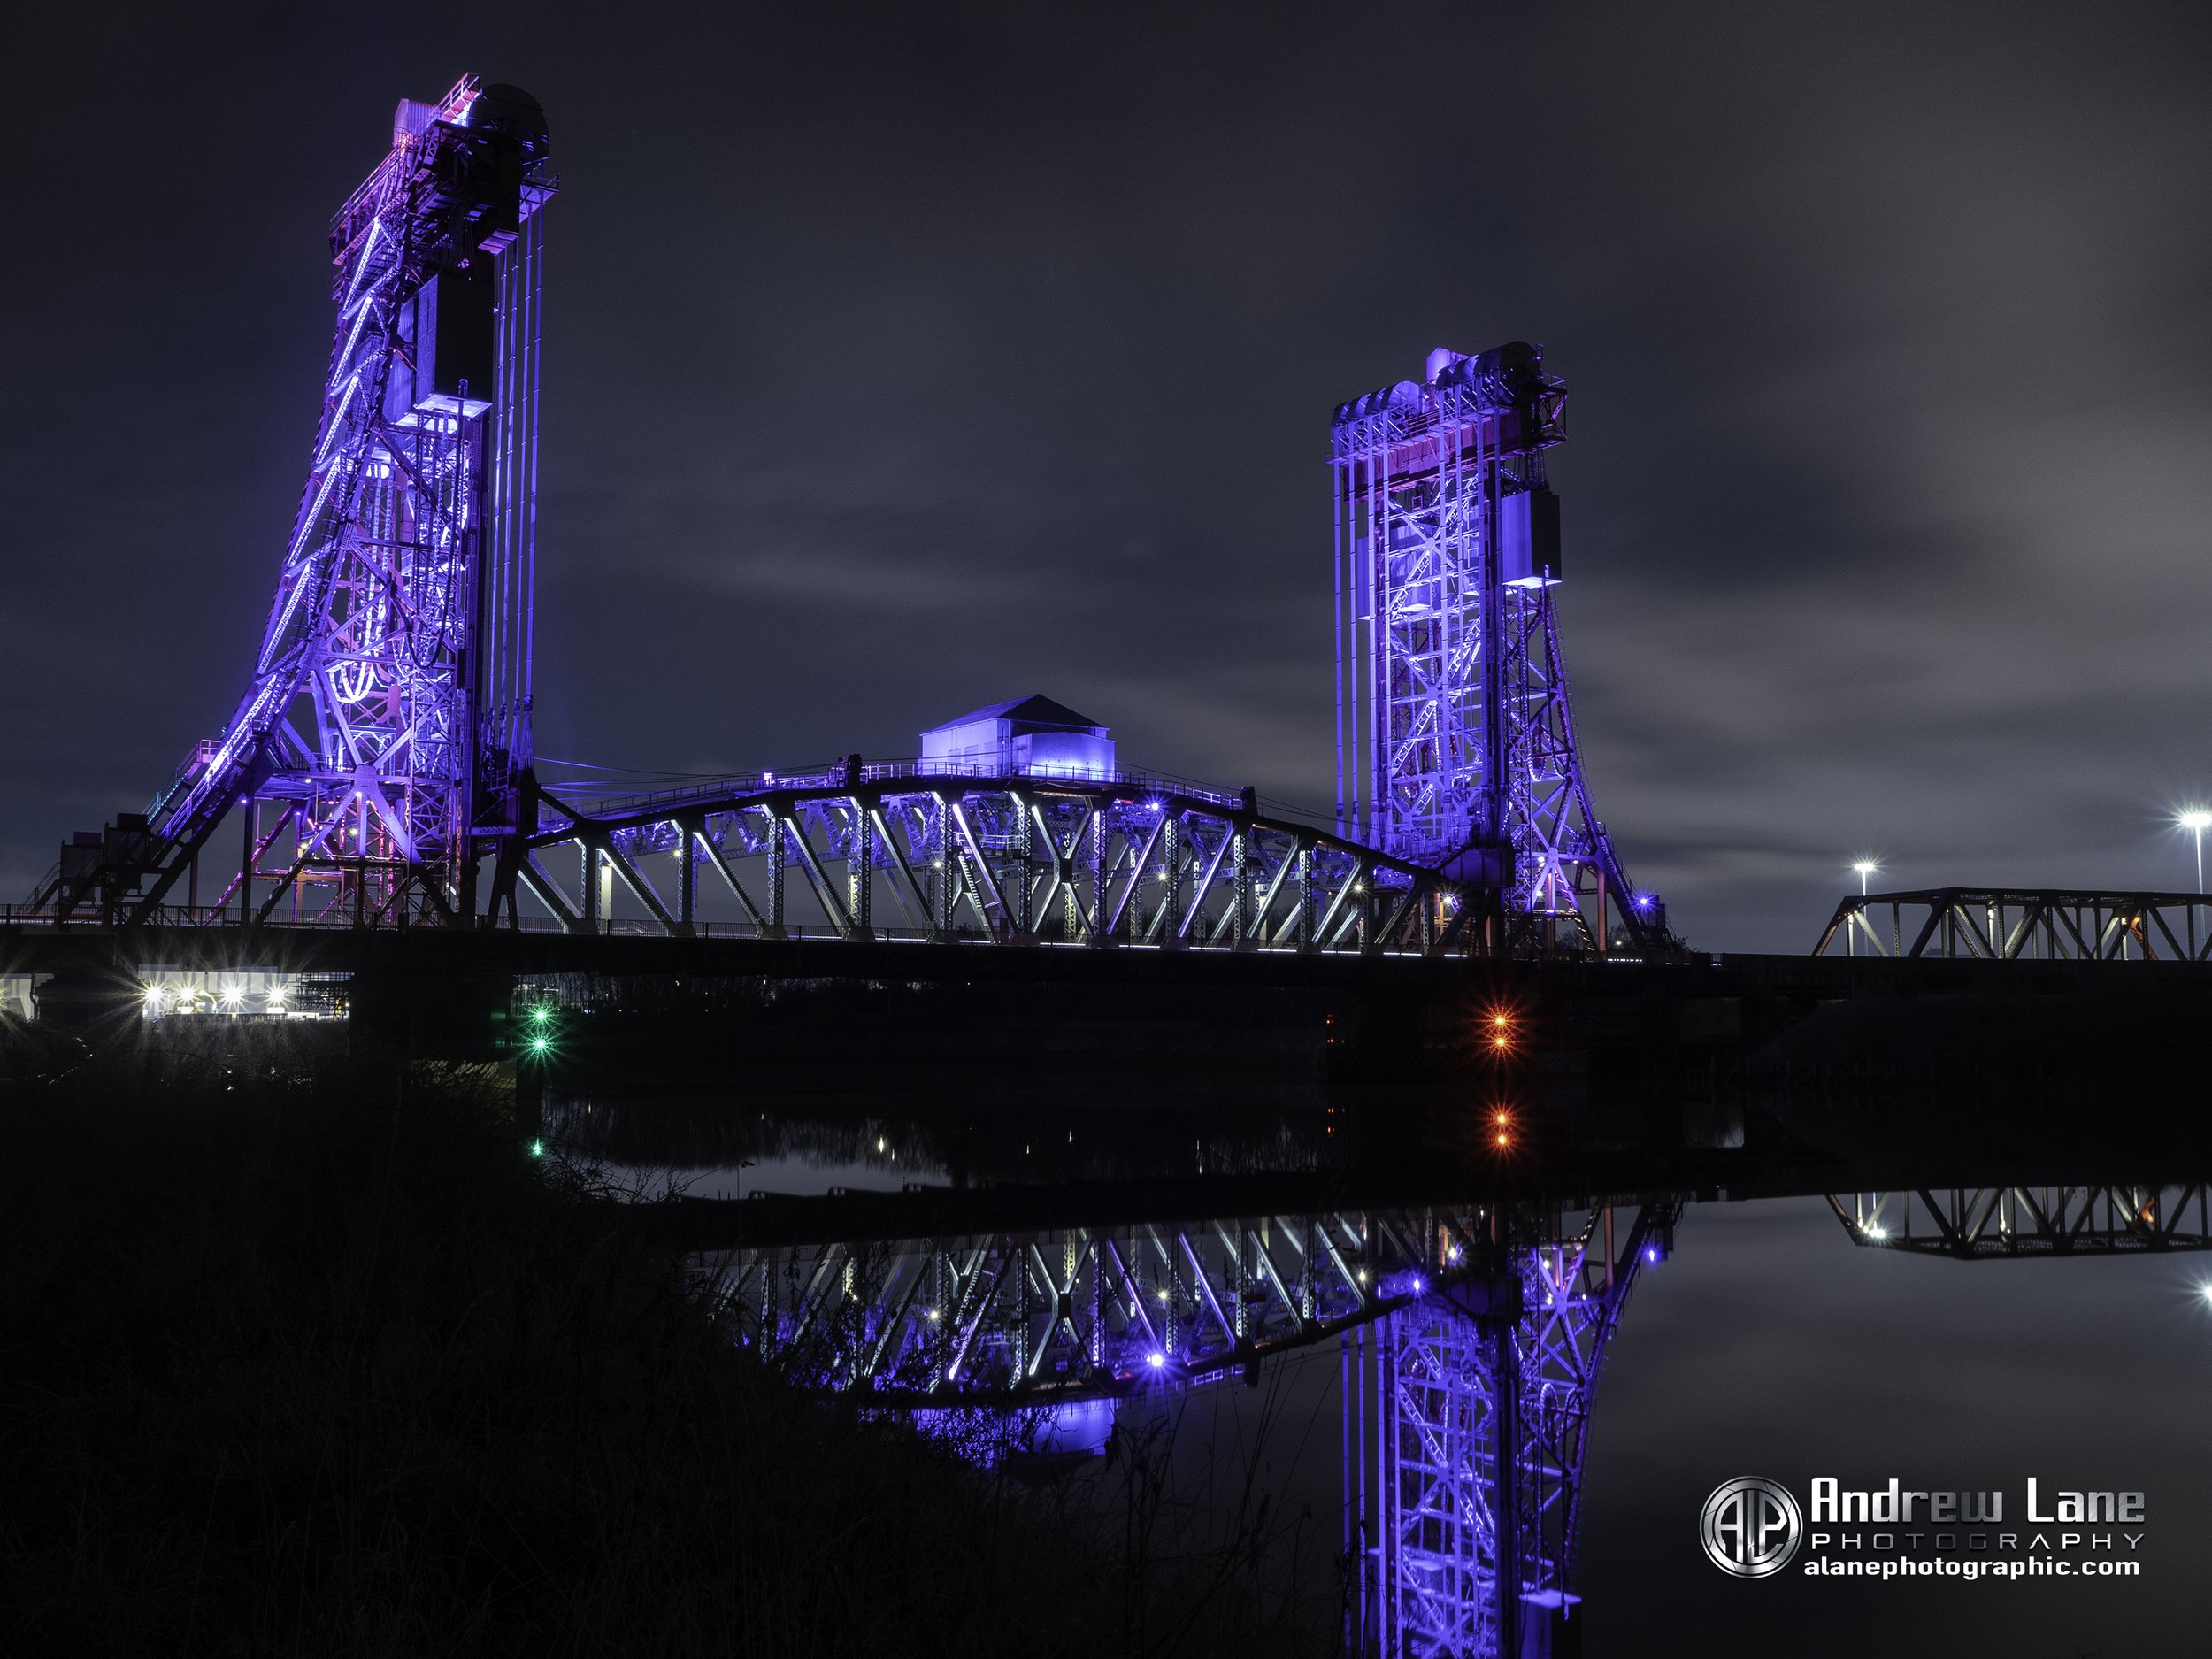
<point>1466,1422</point>
<point>924,850</point>
<point>1055,1315</point>
<point>1455,733</point>
<point>374,750</point>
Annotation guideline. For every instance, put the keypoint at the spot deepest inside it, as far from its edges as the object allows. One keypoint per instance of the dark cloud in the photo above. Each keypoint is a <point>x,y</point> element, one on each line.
<point>904,358</point>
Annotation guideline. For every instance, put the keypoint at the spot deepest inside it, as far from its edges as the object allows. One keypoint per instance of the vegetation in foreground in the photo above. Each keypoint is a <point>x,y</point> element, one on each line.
<point>336,1369</point>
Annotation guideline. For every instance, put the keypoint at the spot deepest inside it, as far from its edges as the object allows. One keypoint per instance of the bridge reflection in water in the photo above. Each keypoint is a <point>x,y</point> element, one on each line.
<point>1057,1297</point>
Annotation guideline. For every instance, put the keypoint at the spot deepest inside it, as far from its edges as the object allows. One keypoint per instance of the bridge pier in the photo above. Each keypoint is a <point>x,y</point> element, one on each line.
<point>687,880</point>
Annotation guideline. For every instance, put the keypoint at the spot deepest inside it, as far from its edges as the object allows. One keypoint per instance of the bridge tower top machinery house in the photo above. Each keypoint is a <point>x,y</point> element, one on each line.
<point>375,756</point>
<point>1456,740</point>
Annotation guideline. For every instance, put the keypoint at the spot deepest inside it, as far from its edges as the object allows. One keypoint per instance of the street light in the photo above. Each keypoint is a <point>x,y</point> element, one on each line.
<point>2196,820</point>
<point>1865,867</point>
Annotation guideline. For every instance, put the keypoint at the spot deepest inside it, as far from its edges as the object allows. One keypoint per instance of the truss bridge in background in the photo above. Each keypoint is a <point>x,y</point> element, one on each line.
<point>1995,1223</point>
<point>2022,924</point>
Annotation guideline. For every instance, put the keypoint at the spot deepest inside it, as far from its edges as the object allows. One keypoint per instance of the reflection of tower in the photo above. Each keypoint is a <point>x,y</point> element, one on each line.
<point>1466,1419</point>
<point>1456,743</point>
<point>374,753</point>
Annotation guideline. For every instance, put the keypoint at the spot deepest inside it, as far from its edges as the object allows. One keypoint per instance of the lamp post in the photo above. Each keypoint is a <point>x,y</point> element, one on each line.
<point>1866,868</point>
<point>2196,820</point>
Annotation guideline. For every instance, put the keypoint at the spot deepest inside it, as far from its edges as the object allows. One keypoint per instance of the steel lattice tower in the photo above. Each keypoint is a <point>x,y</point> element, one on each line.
<point>1466,1422</point>
<point>374,754</point>
<point>1456,741</point>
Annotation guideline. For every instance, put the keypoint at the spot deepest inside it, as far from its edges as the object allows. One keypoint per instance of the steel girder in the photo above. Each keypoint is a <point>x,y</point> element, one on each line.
<point>1022,859</point>
<point>1074,1313</point>
<point>373,754</point>
<point>1467,1428</point>
<point>1456,738</point>
<point>1982,1223</point>
<point>2024,924</point>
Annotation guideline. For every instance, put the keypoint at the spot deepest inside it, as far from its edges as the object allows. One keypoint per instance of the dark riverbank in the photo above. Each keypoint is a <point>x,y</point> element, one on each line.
<point>330,1365</point>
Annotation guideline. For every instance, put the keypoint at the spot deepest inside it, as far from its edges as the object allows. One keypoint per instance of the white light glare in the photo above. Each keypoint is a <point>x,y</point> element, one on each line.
<point>2196,820</point>
<point>1863,868</point>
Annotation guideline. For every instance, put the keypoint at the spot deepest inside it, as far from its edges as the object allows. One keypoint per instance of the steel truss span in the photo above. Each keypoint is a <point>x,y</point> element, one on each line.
<point>1466,1427</point>
<point>1456,739</point>
<point>372,759</point>
<point>2022,924</point>
<point>1990,1223</point>
<point>892,850</point>
<point>1051,1316</point>
<point>381,757</point>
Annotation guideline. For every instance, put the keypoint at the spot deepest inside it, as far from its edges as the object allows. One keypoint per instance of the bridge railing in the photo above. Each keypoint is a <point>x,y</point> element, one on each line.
<point>839,775</point>
<point>2022,924</point>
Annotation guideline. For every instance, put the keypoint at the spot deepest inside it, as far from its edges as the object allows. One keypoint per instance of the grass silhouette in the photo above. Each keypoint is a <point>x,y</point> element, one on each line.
<point>332,1366</point>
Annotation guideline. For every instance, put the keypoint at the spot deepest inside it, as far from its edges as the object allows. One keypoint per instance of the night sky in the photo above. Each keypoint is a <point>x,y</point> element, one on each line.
<point>907,358</point>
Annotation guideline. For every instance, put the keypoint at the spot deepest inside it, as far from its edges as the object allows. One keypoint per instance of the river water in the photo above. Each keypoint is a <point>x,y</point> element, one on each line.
<point>1765,1338</point>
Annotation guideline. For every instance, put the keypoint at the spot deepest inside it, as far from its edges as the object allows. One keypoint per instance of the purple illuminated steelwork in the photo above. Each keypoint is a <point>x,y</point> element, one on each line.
<point>1119,859</point>
<point>1472,1341</point>
<point>1061,1315</point>
<point>375,752</point>
<point>1455,740</point>
<point>1466,1425</point>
